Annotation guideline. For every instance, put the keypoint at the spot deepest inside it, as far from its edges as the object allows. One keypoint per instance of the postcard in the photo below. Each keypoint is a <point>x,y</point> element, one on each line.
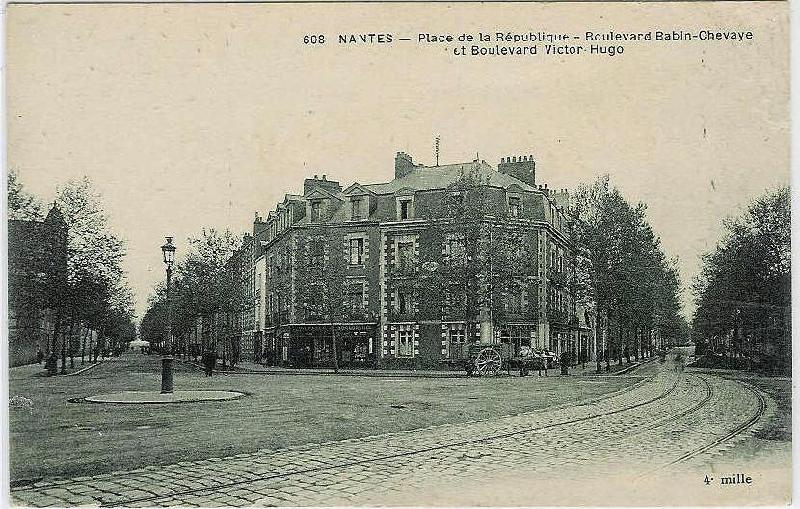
<point>399,254</point>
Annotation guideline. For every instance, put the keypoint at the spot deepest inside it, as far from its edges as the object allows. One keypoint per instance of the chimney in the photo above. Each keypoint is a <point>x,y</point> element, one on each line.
<point>520,167</point>
<point>323,183</point>
<point>403,165</point>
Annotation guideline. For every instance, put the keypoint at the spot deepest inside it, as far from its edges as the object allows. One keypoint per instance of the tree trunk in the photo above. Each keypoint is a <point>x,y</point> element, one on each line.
<point>71,348</point>
<point>83,345</point>
<point>56,330</point>
<point>63,354</point>
<point>606,342</point>
<point>335,348</point>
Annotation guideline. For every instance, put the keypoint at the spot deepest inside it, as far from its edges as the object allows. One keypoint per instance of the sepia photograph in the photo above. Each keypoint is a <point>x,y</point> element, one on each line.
<point>377,254</point>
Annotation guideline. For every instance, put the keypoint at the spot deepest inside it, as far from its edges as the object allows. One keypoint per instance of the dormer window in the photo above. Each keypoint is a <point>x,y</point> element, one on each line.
<point>356,208</point>
<point>405,208</point>
<point>316,211</point>
<point>514,206</point>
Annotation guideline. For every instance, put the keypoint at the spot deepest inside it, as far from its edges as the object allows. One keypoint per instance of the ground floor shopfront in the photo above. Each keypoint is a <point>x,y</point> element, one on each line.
<point>432,345</point>
<point>313,345</point>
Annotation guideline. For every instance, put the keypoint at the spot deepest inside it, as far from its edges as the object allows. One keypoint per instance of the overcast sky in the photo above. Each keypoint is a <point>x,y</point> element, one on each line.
<point>199,115</point>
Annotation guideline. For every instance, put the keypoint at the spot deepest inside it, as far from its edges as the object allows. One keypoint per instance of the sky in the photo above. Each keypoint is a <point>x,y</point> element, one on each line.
<point>193,116</point>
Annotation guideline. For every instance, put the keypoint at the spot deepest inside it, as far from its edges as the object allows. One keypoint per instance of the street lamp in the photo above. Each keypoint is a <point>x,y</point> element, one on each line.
<point>166,351</point>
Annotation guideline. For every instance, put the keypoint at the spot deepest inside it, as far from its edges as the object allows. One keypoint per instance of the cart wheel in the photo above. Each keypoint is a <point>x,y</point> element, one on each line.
<point>488,362</point>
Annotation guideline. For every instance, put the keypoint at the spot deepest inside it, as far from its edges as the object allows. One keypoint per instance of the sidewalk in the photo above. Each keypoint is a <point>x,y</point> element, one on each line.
<point>253,368</point>
<point>38,370</point>
<point>247,367</point>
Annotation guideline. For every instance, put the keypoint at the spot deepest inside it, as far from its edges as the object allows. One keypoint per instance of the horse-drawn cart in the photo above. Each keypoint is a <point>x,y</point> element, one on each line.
<point>491,360</point>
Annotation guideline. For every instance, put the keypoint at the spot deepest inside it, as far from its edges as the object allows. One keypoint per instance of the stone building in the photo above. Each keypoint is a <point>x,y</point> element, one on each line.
<point>37,272</point>
<point>409,272</point>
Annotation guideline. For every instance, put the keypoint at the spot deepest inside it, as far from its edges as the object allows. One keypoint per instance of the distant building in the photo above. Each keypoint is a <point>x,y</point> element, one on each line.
<point>37,272</point>
<point>384,269</point>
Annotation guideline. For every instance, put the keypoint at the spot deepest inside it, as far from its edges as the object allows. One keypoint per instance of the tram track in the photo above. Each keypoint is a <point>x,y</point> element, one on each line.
<point>347,464</point>
<point>177,492</point>
<point>754,418</point>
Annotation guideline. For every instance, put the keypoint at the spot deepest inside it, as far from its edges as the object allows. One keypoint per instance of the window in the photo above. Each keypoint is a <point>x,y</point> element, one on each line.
<point>455,300</point>
<point>405,255</point>
<point>514,206</point>
<point>355,209</point>
<point>317,252</point>
<point>316,208</point>
<point>355,298</point>
<point>456,341</point>
<point>404,302</point>
<point>455,249</point>
<point>405,343</point>
<point>356,251</point>
<point>514,301</point>
<point>456,202</point>
<point>405,209</point>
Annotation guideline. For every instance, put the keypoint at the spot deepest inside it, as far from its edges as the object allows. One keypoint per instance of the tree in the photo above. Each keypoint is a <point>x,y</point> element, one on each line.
<point>21,204</point>
<point>622,268</point>
<point>96,284</point>
<point>743,293</point>
<point>206,285</point>
<point>489,259</point>
<point>321,288</point>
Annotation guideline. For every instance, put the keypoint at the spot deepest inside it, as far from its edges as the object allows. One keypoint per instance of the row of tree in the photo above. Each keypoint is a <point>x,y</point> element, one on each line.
<point>743,293</point>
<point>93,295</point>
<point>622,270</point>
<point>206,299</point>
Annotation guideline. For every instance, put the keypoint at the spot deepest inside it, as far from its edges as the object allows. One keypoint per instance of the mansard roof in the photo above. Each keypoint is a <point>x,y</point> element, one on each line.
<point>439,177</point>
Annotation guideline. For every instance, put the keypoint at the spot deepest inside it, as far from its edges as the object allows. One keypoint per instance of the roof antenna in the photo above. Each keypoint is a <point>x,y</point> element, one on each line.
<point>437,142</point>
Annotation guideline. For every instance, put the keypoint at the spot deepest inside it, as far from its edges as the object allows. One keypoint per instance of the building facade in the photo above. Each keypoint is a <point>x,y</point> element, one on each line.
<point>37,278</point>
<point>410,272</point>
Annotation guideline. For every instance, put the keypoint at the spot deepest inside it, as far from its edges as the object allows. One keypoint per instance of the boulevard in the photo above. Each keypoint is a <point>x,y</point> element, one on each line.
<point>655,421</point>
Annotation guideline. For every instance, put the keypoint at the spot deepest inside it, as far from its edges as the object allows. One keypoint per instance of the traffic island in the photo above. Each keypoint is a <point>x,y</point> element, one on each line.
<point>154,398</point>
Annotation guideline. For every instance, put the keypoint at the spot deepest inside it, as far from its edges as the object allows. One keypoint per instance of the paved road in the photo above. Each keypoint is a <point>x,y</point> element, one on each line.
<point>670,417</point>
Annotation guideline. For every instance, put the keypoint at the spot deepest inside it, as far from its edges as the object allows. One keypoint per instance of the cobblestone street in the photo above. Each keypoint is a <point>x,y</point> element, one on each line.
<point>666,421</point>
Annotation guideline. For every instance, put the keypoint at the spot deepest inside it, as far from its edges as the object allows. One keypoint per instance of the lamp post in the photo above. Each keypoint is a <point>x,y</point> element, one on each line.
<point>166,351</point>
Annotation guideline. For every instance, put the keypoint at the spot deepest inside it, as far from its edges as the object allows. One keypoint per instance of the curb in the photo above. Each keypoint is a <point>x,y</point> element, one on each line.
<point>84,370</point>
<point>365,373</point>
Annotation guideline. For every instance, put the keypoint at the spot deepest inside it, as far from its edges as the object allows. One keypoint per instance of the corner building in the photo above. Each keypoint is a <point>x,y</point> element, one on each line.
<point>397,275</point>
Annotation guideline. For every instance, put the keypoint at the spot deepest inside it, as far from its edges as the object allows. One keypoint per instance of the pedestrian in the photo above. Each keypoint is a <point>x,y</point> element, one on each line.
<point>204,359</point>
<point>39,356</point>
<point>209,361</point>
<point>541,364</point>
<point>565,362</point>
<point>51,365</point>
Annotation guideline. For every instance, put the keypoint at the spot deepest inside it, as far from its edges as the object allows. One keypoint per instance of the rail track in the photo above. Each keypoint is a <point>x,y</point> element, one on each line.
<point>182,493</point>
<point>636,428</point>
<point>754,418</point>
